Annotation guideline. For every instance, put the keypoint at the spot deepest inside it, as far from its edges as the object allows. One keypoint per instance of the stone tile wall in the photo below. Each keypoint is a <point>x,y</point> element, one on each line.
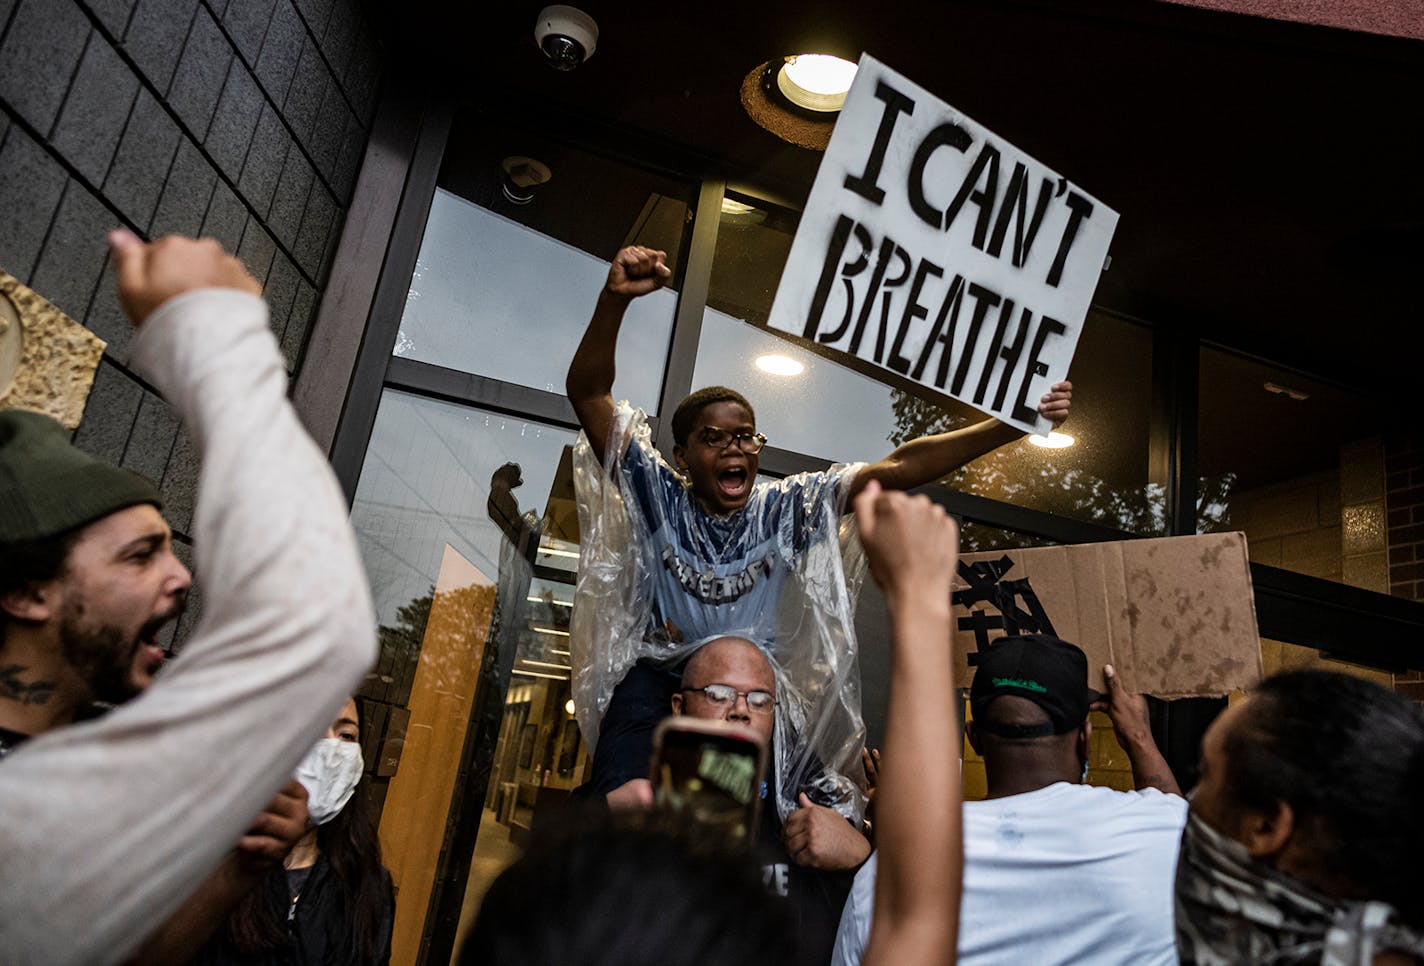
<point>243,120</point>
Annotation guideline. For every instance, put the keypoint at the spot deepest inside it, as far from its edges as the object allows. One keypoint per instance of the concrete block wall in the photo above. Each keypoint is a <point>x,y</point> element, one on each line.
<point>243,120</point>
<point>1293,524</point>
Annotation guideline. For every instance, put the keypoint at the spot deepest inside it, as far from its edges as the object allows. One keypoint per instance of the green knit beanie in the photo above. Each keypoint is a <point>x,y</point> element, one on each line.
<point>48,486</point>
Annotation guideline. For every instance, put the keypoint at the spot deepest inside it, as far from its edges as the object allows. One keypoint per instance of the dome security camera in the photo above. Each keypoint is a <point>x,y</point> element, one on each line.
<point>566,35</point>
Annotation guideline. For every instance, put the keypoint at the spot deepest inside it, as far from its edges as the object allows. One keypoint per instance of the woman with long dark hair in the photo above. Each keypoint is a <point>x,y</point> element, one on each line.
<point>332,902</point>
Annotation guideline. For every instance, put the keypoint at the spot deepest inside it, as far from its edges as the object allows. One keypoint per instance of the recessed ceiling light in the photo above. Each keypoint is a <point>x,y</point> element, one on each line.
<point>816,82</point>
<point>779,365</point>
<point>1054,440</point>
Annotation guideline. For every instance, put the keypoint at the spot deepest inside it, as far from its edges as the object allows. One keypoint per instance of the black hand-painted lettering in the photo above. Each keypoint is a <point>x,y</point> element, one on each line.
<point>840,234</point>
<point>1014,207</point>
<point>946,135</point>
<point>991,357</point>
<point>1046,327</point>
<point>984,300</point>
<point>896,104</point>
<point>1010,354</point>
<point>988,586</point>
<point>913,310</point>
<point>1078,209</point>
<point>985,166</point>
<point>885,299</point>
<point>882,262</point>
<point>848,272</point>
<point>940,336</point>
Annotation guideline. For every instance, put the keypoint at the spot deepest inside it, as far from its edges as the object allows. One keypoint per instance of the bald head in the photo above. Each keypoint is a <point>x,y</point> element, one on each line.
<point>737,663</point>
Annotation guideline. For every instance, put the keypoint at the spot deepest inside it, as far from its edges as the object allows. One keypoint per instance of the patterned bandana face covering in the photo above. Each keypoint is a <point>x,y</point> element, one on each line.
<point>1233,909</point>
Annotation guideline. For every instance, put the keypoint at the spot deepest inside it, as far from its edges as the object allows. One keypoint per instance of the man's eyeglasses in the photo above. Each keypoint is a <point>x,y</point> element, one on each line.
<point>722,695</point>
<point>721,439</point>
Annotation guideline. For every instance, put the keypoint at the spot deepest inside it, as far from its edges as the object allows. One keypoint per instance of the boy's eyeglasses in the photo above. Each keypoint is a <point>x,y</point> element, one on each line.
<point>721,439</point>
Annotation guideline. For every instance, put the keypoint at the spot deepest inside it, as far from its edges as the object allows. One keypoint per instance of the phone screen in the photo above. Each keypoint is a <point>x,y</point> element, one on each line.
<point>711,771</point>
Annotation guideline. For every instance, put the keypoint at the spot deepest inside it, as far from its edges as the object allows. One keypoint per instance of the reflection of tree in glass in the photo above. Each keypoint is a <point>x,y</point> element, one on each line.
<point>1066,491</point>
<point>468,613</point>
<point>400,648</point>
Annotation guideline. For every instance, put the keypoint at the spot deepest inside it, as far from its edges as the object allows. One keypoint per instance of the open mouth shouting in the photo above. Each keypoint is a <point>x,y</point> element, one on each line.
<point>733,483</point>
<point>148,654</point>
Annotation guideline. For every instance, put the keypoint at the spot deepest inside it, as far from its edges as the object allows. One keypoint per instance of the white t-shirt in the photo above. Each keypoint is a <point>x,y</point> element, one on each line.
<point>1064,874</point>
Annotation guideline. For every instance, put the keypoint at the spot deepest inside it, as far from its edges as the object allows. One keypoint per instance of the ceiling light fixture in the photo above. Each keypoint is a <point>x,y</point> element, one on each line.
<point>816,82</point>
<point>779,365</point>
<point>1296,394</point>
<point>1054,440</point>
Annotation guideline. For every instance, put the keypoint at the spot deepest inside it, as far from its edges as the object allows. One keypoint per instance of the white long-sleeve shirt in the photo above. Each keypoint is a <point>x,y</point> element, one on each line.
<point>107,826</point>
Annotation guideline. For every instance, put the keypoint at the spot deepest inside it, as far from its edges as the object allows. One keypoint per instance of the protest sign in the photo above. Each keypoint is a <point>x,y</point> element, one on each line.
<point>940,252</point>
<point>1174,616</point>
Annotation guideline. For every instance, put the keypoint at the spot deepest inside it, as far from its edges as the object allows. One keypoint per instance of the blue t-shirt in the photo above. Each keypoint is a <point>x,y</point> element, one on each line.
<point>716,575</point>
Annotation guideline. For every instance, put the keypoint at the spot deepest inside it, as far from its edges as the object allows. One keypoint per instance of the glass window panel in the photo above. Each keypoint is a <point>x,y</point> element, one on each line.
<point>450,501</point>
<point>1294,462</point>
<point>426,482</point>
<point>829,411</point>
<point>495,298</point>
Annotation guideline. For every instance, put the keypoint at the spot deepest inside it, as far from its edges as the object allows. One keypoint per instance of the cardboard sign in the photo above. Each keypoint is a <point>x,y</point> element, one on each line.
<point>939,251</point>
<point>1175,616</point>
<point>47,360</point>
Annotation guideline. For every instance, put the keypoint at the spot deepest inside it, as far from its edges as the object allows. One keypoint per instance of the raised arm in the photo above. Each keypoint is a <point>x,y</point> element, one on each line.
<point>118,821</point>
<point>635,271</point>
<point>931,458</point>
<point>912,547</point>
<point>1128,712</point>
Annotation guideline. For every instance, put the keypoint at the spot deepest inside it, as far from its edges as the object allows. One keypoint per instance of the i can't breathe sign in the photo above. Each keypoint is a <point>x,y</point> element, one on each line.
<point>935,249</point>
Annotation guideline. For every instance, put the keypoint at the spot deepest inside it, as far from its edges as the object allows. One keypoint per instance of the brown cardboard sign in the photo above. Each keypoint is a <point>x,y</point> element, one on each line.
<point>1175,616</point>
<point>47,360</point>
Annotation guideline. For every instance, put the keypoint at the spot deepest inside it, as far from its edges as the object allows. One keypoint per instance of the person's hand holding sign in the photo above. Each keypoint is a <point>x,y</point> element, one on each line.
<point>1056,402</point>
<point>637,271</point>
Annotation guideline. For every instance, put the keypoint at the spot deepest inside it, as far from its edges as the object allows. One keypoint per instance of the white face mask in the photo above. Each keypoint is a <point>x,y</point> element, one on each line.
<point>329,772</point>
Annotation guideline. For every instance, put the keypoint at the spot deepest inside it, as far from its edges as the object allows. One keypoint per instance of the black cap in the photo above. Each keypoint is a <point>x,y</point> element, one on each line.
<point>1050,672</point>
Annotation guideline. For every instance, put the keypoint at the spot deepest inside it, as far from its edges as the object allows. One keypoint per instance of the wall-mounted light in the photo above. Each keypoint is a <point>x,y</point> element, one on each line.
<point>779,365</point>
<point>1054,440</point>
<point>569,706</point>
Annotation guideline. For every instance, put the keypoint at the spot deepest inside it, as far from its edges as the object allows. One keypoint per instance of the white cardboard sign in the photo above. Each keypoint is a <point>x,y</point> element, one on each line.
<point>937,250</point>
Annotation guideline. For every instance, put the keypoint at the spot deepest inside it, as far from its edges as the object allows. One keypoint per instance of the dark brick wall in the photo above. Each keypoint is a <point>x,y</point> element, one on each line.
<point>1404,516</point>
<point>244,120</point>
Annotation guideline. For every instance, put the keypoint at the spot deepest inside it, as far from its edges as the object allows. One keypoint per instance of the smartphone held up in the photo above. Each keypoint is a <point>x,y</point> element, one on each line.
<point>710,771</point>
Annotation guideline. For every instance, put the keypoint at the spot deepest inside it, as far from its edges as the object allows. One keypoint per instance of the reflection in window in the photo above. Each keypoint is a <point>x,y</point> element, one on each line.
<point>976,537</point>
<point>496,298</point>
<point>1289,460</point>
<point>426,482</point>
<point>834,413</point>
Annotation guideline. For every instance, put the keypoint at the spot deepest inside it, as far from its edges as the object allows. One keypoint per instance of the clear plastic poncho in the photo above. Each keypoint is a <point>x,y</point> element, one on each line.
<point>810,639</point>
